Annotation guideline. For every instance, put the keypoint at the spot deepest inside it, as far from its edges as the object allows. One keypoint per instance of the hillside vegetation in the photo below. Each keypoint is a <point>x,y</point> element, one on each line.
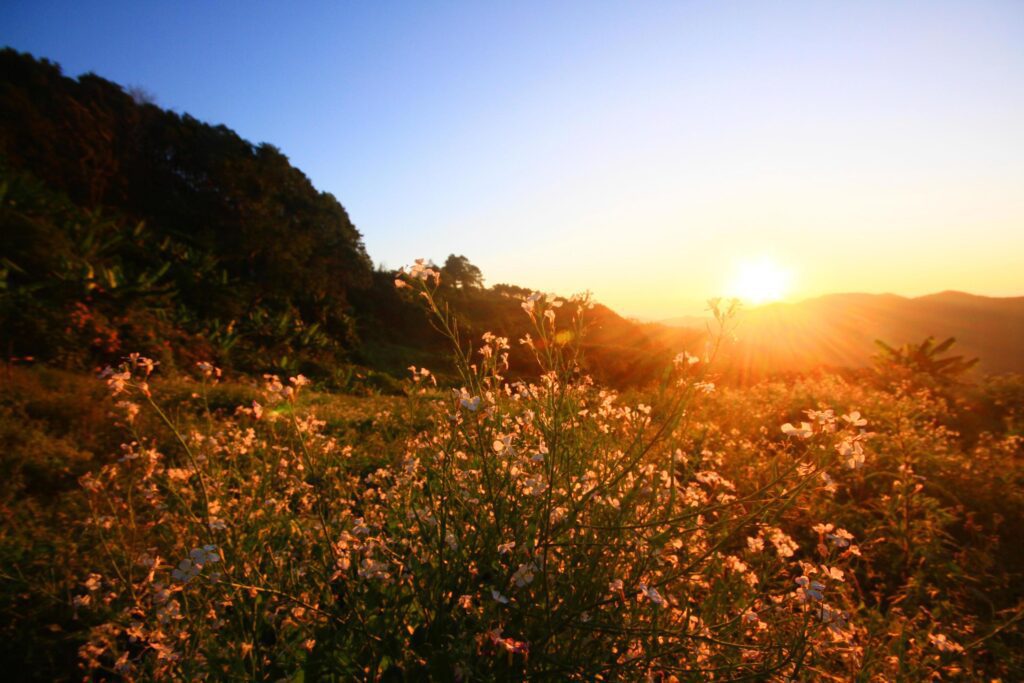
<point>813,529</point>
<point>127,227</point>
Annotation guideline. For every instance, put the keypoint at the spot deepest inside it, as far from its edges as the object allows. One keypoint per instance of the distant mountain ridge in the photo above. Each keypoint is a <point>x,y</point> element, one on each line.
<point>839,330</point>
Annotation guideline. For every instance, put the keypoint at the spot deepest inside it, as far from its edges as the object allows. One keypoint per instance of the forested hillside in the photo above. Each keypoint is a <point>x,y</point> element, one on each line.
<point>127,227</point>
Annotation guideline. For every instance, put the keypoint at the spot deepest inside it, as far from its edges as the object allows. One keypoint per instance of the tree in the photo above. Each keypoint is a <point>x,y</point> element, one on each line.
<point>461,274</point>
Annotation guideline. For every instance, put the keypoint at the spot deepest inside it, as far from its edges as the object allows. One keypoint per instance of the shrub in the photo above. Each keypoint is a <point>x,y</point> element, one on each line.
<point>533,530</point>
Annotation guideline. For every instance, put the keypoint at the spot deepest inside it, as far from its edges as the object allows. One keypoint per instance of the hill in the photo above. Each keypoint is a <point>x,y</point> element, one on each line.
<point>839,330</point>
<point>129,227</point>
<point>126,227</point>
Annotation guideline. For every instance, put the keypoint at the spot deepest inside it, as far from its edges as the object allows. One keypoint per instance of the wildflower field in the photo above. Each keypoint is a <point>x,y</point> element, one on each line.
<point>187,526</point>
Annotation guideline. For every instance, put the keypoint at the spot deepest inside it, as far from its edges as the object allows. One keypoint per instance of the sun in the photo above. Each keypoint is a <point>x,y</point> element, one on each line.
<point>760,281</point>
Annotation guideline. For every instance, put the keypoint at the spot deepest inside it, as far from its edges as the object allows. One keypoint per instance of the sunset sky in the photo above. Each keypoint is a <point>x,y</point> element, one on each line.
<point>649,152</point>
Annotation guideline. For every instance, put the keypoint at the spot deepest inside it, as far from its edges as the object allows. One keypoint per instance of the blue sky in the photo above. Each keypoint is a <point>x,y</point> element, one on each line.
<point>642,150</point>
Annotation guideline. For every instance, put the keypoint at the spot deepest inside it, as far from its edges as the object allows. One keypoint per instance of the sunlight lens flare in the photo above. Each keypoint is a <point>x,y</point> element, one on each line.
<point>760,282</point>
